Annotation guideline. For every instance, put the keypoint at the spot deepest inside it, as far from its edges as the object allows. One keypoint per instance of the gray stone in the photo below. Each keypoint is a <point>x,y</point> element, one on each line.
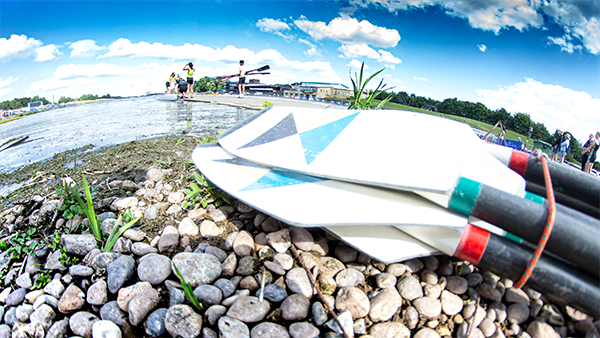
<point>215,312</point>
<point>71,300</point>
<point>274,267</point>
<point>182,321</point>
<point>208,229</point>
<point>31,330</point>
<point>303,330</point>
<point>409,288</point>
<point>298,282</point>
<point>226,286</point>
<point>411,315</point>
<point>16,297</point>
<point>105,329</point>
<point>457,284</point>
<point>102,260</point>
<point>169,240</point>
<point>514,295</point>
<point>487,327</point>
<point>354,300</point>
<point>302,238</point>
<point>474,279</point>
<point>349,277</point>
<point>111,311</point>
<point>539,329</point>
<point>280,240</point>
<point>269,330</point>
<point>188,228</point>
<point>81,323</point>
<point>385,280</point>
<point>243,245</point>
<point>237,295</point>
<point>197,268</point>
<point>249,309</point>
<point>118,272</point>
<point>273,293</point>
<point>155,324</point>
<point>220,254</point>
<point>80,270</point>
<point>428,307</point>
<point>269,225</point>
<point>487,291</point>
<point>229,265</point>
<point>389,329</point>
<point>295,307</point>
<point>284,260</point>
<point>53,262</point>
<point>154,269</point>
<point>44,315</point>
<point>142,249</point>
<point>23,311</point>
<point>55,288</point>
<point>345,253</point>
<point>5,331</point>
<point>345,319</point>
<point>318,313</point>
<point>10,317</point>
<point>208,294</point>
<point>58,329</point>
<point>78,244</point>
<point>97,293</point>
<point>451,303</point>
<point>176,296</point>
<point>518,312</point>
<point>232,328</point>
<point>552,315</point>
<point>125,295</point>
<point>140,305</point>
<point>24,281</point>
<point>384,305</point>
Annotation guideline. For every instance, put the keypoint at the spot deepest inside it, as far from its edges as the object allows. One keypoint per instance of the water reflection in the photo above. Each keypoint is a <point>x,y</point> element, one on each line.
<point>108,123</point>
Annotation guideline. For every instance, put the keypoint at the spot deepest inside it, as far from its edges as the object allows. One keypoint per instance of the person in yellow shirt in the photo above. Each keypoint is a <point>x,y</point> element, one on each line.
<point>190,78</point>
<point>242,79</point>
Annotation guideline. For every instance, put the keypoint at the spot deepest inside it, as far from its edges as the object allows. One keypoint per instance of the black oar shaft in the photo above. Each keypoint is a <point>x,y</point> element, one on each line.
<point>559,282</point>
<point>572,238</point>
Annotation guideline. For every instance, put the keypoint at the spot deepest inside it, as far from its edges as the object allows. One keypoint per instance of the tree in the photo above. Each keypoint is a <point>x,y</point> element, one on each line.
<point>520,123</point>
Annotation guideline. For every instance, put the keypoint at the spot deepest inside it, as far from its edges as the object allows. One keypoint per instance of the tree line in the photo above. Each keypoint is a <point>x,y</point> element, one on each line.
<point>18,103</point>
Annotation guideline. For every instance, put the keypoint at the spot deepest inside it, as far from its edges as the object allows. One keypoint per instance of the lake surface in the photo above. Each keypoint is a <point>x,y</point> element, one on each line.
<point>109,123</point>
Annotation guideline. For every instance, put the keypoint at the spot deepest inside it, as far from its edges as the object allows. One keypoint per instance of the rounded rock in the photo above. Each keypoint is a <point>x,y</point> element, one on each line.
<point>273,293</point>
<point>118,272</point>
<point>155,324</point>
<point>183,321</point>
<point>105,329</point>
<point>451,303</point>
<point>197,268</point>
<point>295,307</point>
<point>349,277</point>
<point>208,294</point>
<point>302,238</point>
<point>243,245</point>
<point>249,309</point>
<point>457,284</point>
<point>298,282</point>
<point>81,323</point>
<point>303,330</point>
<point>232,328</point>
<point>71,300</point>
<point>390,329</point>
<point>409,288</point>
<point>269,330</point>
<point>428,307</point>
<point>385,305</point>
<point>154,269</point>
<point>354,300</point>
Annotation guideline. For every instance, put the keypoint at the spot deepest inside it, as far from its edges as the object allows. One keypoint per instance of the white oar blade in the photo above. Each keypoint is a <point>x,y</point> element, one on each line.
<point>308,201</point>
<point>386,244</point>
<point>394,149</point>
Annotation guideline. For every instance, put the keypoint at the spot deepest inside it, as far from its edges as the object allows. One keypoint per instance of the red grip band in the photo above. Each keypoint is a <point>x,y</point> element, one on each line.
<point>472,245</point>
<point>518,162</point>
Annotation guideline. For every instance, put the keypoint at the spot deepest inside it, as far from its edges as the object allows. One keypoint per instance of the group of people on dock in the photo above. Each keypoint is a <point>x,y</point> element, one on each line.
<point>562,146</point>
<point>183,87</point>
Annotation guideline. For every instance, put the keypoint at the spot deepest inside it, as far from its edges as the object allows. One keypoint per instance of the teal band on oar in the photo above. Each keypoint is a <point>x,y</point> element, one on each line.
<point>534,198</point>
<point>464,196</point>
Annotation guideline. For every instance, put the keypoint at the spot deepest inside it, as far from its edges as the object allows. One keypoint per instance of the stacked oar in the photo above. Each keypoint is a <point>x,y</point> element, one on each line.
<point>434,184</point>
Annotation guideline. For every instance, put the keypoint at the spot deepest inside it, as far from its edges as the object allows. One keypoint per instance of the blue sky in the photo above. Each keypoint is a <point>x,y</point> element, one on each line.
<point>536,57</point>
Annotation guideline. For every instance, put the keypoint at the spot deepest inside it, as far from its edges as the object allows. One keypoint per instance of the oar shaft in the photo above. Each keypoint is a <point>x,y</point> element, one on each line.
<point>559,282</point>
<point>572,238</point>
<point>572,187</point>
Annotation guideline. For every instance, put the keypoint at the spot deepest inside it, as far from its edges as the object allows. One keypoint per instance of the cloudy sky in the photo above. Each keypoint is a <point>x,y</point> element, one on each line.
<point>538,57</point>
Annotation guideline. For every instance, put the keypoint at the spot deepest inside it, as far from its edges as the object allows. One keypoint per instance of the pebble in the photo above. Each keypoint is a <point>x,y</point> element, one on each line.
<point>345,319</point>
<point>426,333</point>
<point>269,330</point>
<point>71,300</point>
<point>111,311</point>
<point>105,329</point>
<point>330,266</point>
<point>213,250</point>
<point>208,229</point>
<point>390,329</point>
<point>409,288</point>
<point>303,330</point>
<point>81,323</point>
<point>273,293</point>
<point>487,291</point>
<point>428,307</point>
<point>354,300</point>
<point>208,294</point>
<point>302,238</point>
<point>215,312</point>
<point>232,328</point>
<point>518,312</point>
<point>349,277</point>
<point>78,245</point>
<point>280,240</point>
<point>284,260</point>
<point>318,313</point>
<point>97,293</point>
<point>298,282</point>
<point>118,272</point>
<point>197,268</point>
<point>451,303</point>
<point>457,284</point>
<point>249,309</point>
<point>188,228</point>
<point>155,324</point>
<point>539,329</point>
<point>225,286</point>
<point>295,307</point>
<point>154,268</point>
<point>345,253</point>
<point>385,280</point>
<point>140,305</point>
<point>384,305</point>
<point>16,297</point>
<point>142,249</point>
<point>169,240</point>
<point>182,321</point>
<point>274,267</point>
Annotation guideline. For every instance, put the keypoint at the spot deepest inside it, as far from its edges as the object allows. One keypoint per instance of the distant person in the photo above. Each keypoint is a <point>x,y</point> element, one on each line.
<point>585,151</point>
<point>592,154</point>
<point>171,83</point>
<point>182,86</point>
<point>565,148</point>
<point>521,145</point>
<point>556,147</point>
<point>190,78</point>
<point>242,79</point>
<point>502,137</point>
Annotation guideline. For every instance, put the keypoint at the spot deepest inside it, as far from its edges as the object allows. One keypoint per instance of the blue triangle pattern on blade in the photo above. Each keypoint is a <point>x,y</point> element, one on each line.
<point>280,178</point>
<point>283,129</point>
<point>314,141</point>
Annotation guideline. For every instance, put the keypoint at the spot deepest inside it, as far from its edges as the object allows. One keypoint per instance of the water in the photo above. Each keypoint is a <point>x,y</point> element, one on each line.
<point>109,123</point>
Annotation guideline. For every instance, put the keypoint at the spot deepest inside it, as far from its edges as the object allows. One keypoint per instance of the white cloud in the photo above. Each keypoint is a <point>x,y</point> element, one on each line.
<point>554,106</point>
<point>422,79</point>
<point>565,43</point>
<point>8,81</point>
<point>271,25</point>
<point>85,48</point>
<point>482,47</point>
<point>18,46</point>
<point>350,31</point>
<point>313,51</point>
<point>71,71</point>
<point>362,50</point>
<point>580,19</point>
<point>47,53</point>
<point>356,64</point>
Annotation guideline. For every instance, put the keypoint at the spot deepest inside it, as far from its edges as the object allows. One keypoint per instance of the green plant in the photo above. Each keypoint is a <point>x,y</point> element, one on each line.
<point>88,209</point>
<point>267,104</point>
<point>204,193</point>
<point>208,139</point>
<point>17,245</point>
<point>70,207</point>
<point>65,259</point>
<point>115,234</point>
<point>359,88</point>
<point>189,293</point>
<point>42,278</point>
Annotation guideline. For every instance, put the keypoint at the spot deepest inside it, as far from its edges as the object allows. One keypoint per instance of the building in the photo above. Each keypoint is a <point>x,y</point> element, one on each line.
<point>317,90</point>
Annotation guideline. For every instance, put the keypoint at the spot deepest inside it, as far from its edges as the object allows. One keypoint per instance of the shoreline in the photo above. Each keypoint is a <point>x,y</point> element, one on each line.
<point>256,102</point>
